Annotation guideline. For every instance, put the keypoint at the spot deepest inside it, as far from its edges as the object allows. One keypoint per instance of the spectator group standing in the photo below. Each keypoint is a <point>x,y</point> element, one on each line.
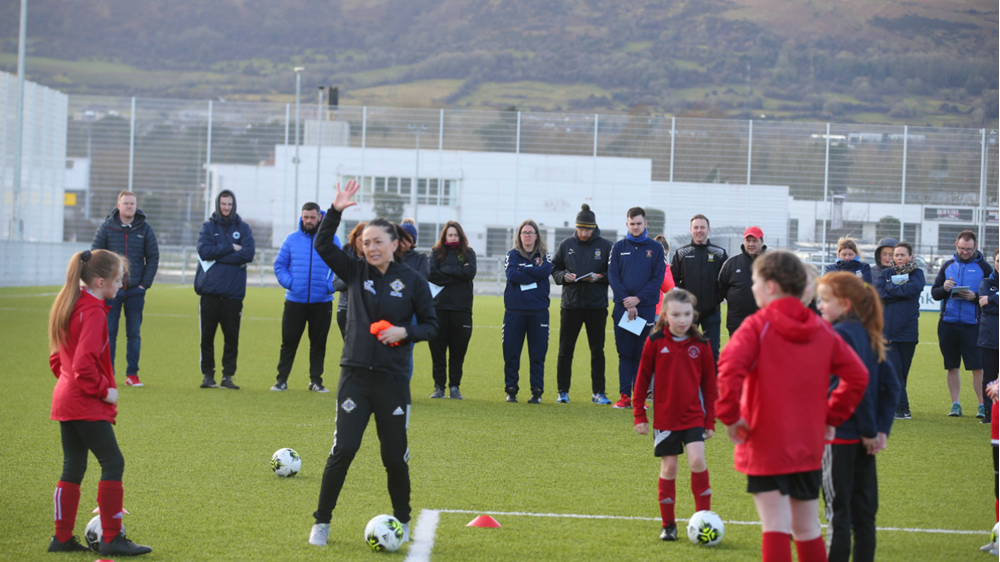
<point>126,233</point>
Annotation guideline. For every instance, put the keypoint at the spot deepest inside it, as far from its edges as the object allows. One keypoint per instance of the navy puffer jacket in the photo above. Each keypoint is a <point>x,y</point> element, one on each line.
<point>222,271</point>
<point>136,242</point>
<point>859,268</point>
<point>299,269</point>
<point>989,321</point>
<point>900,305</point>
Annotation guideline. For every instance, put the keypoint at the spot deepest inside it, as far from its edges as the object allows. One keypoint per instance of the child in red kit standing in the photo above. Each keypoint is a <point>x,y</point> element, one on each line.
<point>773,398</point>
<point>683,401</point>
<point>85,398</point>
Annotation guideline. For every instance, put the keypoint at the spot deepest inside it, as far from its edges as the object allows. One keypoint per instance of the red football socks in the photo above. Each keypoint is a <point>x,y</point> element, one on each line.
<point>811,551</point>
<point>668,495</point>
<point>109,499</point>
<point>701,490</point>
<point>776,547</point>
<point>67,500</point>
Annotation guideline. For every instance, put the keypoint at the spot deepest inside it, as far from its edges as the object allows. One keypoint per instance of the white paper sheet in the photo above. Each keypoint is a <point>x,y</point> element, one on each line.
<point>435,289</point>
<point>635,326</point>
<point>529,287</point>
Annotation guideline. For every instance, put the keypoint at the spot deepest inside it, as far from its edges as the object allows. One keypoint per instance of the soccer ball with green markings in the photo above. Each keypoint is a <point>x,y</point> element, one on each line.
<point>705,528</point>
<point>384,532</point>
<point>286,462</point>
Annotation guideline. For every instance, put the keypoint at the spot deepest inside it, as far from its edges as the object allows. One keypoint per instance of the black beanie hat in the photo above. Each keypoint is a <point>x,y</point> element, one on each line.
<point>585,218</point>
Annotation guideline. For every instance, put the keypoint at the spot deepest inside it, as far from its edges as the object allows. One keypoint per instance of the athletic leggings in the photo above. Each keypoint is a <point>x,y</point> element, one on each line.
<point>81,437</point>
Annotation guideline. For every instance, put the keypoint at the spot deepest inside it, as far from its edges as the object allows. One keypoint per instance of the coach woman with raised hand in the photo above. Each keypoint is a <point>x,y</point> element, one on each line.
<point>385,294</point>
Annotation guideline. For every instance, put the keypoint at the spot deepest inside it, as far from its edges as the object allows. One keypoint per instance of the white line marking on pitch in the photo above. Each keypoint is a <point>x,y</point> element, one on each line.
<point>423,536</point>
<point>633,518</point>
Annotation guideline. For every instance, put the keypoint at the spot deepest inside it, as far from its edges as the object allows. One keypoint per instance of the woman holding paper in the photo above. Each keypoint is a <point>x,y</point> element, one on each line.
<point>453,268</point>
<point>899,287</point>
<point>526,300</point>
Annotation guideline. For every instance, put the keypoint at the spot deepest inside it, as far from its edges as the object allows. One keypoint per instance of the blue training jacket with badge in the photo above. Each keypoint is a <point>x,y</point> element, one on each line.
<point>222,271</point>
<point>965,274</point>
<point>636,269</point>
<point>523,272</point>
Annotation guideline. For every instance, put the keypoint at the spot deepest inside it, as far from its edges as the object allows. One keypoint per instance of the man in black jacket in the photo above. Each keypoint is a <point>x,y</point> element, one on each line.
<point>580,266</point>
<point>696,268</point>
<point>735,279</point>
<point>126,232</point>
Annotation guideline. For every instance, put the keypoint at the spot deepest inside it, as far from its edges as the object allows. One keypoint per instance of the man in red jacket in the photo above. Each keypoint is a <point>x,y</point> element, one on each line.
<point>773,398</point>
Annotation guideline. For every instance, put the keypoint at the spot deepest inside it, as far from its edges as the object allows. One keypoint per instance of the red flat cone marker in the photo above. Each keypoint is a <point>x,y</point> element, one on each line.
<point>484,521</point>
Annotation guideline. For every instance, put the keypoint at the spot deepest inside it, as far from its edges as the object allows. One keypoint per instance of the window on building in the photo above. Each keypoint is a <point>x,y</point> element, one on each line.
<point>430,191</point>
<point>427,234</point>
<point>793,231</point>
<point>348,226</point>
<point>562,234</point>
<point>911,233</point>
<point>611,235</point>
<point>499,241</point>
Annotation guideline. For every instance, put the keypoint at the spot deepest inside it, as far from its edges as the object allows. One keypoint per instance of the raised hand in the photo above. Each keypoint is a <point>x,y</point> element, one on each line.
<point>342,197</point>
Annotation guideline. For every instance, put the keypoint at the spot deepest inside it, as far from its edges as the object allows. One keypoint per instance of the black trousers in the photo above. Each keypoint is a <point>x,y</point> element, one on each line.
<point>215,311</point>
<point>900,356</point>
<point>78,439</point>
<point>850,488</point>
<point>342,322</point>
<point>454,333</point>
<point>991,365</point>
<point>571,321</point>
<point>319,316</point>
<point>361,393</point>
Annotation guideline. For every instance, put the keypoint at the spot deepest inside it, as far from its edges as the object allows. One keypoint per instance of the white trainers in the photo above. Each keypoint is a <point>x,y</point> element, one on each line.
<point>406,532</point>
<point>319,533</point>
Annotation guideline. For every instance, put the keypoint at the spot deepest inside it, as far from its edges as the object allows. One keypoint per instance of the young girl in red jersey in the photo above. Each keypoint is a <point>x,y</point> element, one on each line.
<point>773,398</point>
<point>850,483</point>
<point>85,397</point>
<point>683,401</point>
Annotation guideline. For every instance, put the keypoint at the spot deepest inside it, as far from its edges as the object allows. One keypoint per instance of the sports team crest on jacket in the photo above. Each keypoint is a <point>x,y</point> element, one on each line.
<point>694,352</point>
<point>711,257</point>
<point>649,253</point>
<point>397,287</point>
<point>597,254</point>
<point>236,235</point>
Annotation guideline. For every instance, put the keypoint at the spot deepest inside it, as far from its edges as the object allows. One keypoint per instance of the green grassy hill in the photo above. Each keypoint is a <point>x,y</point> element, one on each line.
<point>892,61</point>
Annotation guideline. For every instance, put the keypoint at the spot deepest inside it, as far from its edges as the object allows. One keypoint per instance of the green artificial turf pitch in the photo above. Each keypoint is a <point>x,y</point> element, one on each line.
<point>199,487</point>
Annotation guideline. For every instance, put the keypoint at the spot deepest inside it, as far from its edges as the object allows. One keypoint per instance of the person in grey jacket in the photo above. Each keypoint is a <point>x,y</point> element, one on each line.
<point>126,233</point>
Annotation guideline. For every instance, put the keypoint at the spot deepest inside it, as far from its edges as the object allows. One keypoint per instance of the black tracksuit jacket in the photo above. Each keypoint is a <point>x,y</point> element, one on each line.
<point>581,258</point>
<point>396,296</point>
<point>735,281</point>
<point>696,267</point>
<point>455,275</point>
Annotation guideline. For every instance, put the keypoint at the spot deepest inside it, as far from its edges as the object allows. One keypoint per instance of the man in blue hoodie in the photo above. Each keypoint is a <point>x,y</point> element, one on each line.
<point>635,271</point>
<point>308,284</point>
<point>225,247</point>
<point>958,329</point>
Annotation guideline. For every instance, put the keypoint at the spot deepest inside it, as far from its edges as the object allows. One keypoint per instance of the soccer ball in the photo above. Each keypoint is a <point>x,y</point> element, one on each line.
<point>94,533</point>
<point>995,535</point>
<point>286,462</point>
<point>384,532</point>
<point>706,528</point>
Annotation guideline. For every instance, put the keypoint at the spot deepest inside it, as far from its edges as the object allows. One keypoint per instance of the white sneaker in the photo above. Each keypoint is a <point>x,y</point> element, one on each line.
<point>319,533</point>
<point>406,532</point>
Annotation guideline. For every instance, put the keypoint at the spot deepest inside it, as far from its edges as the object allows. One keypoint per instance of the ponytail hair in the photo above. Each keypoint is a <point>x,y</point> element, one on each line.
<point>682,296</point>
<point>865,305</point>
<point>84,267</point>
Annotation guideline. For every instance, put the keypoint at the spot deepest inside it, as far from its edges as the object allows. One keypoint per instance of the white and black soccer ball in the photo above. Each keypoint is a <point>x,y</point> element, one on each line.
<point>286,462</point>
<point>706,528</point>
<point>995,536</point>
<point>94,533</point>
<point>384,533</point>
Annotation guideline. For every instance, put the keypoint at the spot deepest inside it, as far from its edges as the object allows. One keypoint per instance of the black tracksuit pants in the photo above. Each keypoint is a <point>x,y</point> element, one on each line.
<point>79,437</point>
<point>319,316</point>
<point>218,311</point>
<point>571,321</point>
<point>361,393</point>
<point>900,356</point>
<point>991,368</point>
<point>850,487</point>
<point>454,333</point>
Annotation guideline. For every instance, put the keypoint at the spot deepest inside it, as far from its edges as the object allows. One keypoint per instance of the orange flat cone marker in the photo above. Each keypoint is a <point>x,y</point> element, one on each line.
<point>484,521</point>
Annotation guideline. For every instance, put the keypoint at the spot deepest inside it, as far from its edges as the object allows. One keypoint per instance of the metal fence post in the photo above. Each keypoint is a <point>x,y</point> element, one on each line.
<point>517,163</point>
<point>131,146</point>
<point>440,161</point>
<point>208,166</point>
<point>746,208</point>
<point>826,189</point>
<point>184,264</point>
<point>263,254</point>
<point>902,198</point>
<point>673,141</point>
<point>593,177</point>
<point>983,154</point>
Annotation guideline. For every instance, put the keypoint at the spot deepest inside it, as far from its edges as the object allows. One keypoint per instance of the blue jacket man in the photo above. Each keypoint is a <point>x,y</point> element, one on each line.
<point>308,284</point>
<point>958,328</point>
<point>126,233</point>
<point>635,271</point>
<point>225,247</point>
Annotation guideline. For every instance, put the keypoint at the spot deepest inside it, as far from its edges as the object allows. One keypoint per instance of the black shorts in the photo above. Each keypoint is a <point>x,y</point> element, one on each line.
<point>671,443</point>
<point>960,343</point>
<point>803,486</point>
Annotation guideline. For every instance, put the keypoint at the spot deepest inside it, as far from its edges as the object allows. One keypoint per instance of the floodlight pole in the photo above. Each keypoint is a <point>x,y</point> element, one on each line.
<point>16,230</point>
<point>298,91</point>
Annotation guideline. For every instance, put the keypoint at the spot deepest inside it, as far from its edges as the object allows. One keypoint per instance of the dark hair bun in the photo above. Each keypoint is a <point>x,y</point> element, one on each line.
<point>585,207</point>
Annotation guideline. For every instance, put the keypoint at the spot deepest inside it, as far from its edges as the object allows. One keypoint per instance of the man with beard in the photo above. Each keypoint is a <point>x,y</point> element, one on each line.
<point>308,284</point>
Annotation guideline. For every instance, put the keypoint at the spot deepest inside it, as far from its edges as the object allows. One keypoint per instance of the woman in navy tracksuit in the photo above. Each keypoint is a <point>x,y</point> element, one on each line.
<point>899,286</point>
<point>848,259</point>
<point>526,300</point>
<point>384,296</point>
<point>989,326</point>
